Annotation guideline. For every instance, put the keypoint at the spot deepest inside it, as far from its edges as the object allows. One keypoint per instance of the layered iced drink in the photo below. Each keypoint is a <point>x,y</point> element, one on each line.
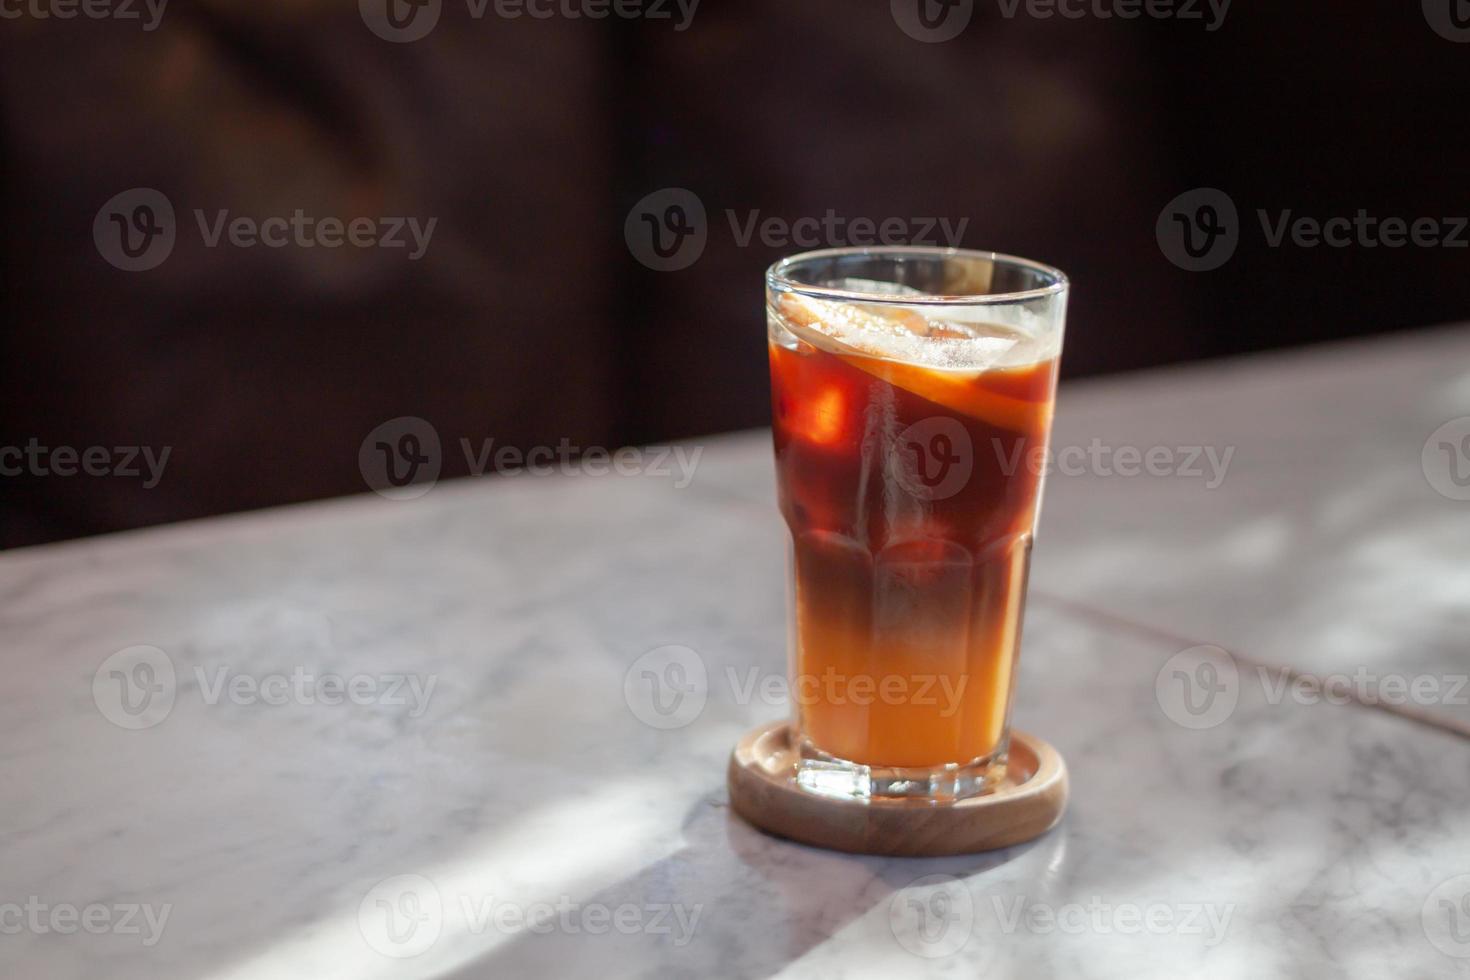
<point>911,401</point>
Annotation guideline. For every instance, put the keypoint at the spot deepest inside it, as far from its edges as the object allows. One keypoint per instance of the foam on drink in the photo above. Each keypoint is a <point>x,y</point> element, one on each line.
<point>958,341</point>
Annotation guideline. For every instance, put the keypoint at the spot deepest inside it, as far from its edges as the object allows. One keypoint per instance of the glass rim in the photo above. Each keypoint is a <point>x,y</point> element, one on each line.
<point>777,276</point>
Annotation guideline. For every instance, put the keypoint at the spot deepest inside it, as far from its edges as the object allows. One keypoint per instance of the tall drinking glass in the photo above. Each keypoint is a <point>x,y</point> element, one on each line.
<point>912,393</point>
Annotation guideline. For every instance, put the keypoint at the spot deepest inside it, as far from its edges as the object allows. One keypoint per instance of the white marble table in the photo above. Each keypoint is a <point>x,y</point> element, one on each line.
<point>482,794</point>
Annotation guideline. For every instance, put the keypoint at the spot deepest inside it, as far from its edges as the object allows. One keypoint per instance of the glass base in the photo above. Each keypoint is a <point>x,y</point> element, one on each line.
<point>826,775</point>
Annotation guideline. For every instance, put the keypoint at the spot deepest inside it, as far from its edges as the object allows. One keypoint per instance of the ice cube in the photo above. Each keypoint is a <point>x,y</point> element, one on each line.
<point>898,333</point>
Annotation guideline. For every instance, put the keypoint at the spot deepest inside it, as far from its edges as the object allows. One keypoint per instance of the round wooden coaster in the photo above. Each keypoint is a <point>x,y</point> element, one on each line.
<point>1026,805</point>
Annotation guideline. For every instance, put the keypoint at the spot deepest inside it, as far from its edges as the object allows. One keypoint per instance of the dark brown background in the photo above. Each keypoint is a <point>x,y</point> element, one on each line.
<point>529,320</point>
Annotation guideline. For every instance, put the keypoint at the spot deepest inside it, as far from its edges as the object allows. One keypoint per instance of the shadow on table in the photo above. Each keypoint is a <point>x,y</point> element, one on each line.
<point>725,883</point>
<point>1268,814</point>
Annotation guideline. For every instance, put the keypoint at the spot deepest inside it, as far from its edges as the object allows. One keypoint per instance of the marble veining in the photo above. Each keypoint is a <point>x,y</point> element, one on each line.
<point>412,739</point>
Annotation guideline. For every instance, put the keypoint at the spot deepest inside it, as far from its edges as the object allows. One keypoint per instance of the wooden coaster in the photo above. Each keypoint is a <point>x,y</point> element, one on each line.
<point>1027,804</point>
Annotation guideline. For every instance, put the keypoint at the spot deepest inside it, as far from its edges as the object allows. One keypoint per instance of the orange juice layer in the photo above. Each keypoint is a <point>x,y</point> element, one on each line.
<point>910,496</point>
